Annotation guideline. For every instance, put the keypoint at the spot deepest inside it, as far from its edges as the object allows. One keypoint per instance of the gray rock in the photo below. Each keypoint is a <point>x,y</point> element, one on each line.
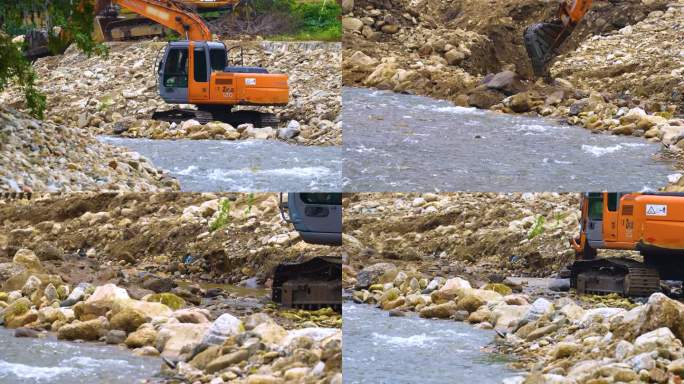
<point>559,285</point>
<point>289,132</point>
<point>376,273</point>
<point>115,336</point>
<point>158,284</point>
<point>76,295</point>
<point>25,332</point>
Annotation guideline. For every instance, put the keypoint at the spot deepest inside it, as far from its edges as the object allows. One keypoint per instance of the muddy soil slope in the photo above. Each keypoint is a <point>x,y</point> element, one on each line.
<point>506,234</point>
<point>112,237</point>
<point>117,93</point>
<point>446,40</point>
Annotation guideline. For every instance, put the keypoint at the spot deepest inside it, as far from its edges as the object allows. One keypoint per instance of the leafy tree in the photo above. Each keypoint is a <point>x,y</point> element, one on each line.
<point>75,18</point>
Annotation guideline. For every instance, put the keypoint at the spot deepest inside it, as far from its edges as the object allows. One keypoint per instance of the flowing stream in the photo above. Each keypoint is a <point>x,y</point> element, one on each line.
<point>241,166</point>
<point>405,350</point>
<point>47,360</point>
<point>397,142</point>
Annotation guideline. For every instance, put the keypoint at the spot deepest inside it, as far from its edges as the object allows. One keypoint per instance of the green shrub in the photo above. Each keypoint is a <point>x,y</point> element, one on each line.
<point>537,228</point>
<point>223,216</point>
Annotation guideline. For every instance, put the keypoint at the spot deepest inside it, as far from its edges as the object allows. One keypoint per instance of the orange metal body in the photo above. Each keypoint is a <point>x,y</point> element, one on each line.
<point>230,88</point>
<point>571,12</point>
<point>641,221</point>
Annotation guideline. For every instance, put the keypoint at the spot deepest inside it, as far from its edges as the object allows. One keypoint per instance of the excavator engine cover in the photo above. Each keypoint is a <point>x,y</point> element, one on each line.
<point>541,41</point>
<point>313,284</point>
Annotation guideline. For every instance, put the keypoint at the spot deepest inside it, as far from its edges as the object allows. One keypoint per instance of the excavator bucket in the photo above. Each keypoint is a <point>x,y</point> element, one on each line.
<point>313,284</point>
<point>542,41</point>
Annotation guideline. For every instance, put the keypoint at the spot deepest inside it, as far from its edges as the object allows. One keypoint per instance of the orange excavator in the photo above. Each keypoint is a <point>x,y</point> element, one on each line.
<point>542,40</point>
<point>650,223</point>
<point>199,71</point>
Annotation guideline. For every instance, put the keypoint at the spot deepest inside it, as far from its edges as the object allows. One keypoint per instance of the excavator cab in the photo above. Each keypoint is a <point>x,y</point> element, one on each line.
<point>316,216</point>
<point>198,72</point>
<point>317,282</point>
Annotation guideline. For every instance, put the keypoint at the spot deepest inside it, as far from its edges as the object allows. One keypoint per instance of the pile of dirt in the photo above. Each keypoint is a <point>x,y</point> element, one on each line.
<point>49,157</point>
<point>457,233</point>
<point>112,237</point>
<point>445,47</point>
<point>117,93</point>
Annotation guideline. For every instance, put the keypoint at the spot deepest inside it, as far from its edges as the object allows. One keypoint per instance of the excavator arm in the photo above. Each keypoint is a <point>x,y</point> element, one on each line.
<point>542,40</point>
<point>169,13</point>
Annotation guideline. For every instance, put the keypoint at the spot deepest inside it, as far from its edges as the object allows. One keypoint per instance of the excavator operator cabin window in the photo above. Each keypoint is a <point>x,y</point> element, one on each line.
<point>176,68</point>
<point>218,59</point>
<point>595,209</point>
<point>200,66</point>
<point>612,201</point>
<point>322,198</point>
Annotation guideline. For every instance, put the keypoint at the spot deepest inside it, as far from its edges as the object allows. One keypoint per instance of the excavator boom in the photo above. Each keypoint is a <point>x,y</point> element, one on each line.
<point>171,14</point>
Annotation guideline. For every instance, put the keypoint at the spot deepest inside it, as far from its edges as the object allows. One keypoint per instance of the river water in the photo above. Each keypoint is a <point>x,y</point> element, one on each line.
<point>398,350</point>
<point>241,166</point>
<point>397,142</point>
<point>39,361</point>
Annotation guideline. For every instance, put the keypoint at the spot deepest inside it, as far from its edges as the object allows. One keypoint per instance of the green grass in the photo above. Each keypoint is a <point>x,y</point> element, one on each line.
<point>333,34</point>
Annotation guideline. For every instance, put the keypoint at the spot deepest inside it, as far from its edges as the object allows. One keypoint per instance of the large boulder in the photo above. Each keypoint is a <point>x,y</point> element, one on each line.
<point>158,284</point>
<point>451,289</point>
<point>84,330</point>
<point>379,273</point>
<point>19,313</point>
<point>227,360</point>
<point>270,332</point>
<point>191,315</point>
<point>28,259</point>
<point>660,311</point>
<point>505,317</point>
<point>661,337</point>
<point>224,326</point>
<point>169,299</point>
<point>128,320</point>
<point>507,82</point>
<point>100,302</point>
<point>175,340</point>
<point>148,309</point>
<point>440,311</point>
<point>141,338</point>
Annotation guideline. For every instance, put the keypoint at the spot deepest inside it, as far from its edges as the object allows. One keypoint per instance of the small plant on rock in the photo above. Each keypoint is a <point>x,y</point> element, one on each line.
<point>538,228</point>
<point>223,216</point>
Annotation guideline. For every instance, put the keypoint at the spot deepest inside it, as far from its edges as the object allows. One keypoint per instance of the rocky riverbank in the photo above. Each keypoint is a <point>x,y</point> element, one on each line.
<point>557,339</point>
<point>562,339</point>
<point>114,237</point>
<point>518,234</point>
<point>460,257</point>
<point>152,272</point>
<point>618,74</point>
<point>43,156</point>
<point>117,94</point>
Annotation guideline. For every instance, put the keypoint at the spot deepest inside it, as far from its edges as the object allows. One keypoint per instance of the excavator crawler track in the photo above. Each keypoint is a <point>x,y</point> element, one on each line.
<point>256,118</point>
<point>310,285</point>
<point>614,275</point>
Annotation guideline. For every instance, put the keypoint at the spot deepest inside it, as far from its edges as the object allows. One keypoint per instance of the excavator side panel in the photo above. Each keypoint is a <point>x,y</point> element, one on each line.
<point>261,89</point>
<point>662,221</point>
